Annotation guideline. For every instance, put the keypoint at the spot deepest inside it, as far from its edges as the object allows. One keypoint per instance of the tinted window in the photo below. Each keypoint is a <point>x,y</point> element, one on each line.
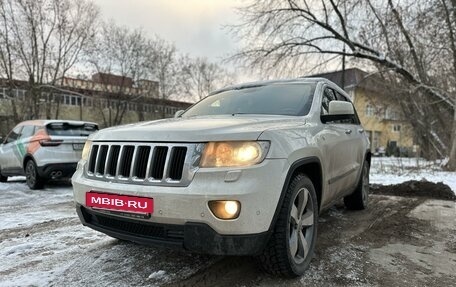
<point>14,134</point>
<point>328,96</point>
<point>276,99</point>
<point>67,129</point>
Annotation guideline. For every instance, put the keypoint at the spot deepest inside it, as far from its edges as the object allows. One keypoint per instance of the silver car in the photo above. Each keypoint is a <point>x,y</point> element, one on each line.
<point>43,150</point>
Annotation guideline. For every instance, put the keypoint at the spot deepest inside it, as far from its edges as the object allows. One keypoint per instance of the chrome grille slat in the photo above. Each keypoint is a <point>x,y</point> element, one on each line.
<point>119,161</point>
<point>149,163</point>
<point>143,163</point>
<point>133,162</point>
<point>108,155</point>
<point>166,165</point>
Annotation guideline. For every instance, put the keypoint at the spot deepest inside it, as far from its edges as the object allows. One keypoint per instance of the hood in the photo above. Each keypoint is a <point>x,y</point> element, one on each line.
<point>197,129</point>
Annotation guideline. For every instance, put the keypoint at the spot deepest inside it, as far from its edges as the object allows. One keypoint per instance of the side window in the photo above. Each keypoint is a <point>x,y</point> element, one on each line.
<point>14,134</point>
<point>328,96</point>
<point>27,131</point>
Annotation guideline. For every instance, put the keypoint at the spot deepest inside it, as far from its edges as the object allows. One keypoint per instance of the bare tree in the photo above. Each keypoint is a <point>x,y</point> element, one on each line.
<point>125,53</point>
<point>166,65</point>
<point>43,40</point>
<point>395,36</point>
<point>202,77</point>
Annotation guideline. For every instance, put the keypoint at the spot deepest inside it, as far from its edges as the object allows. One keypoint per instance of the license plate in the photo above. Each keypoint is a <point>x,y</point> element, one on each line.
<point>78,146</point>
<point>108,201</point>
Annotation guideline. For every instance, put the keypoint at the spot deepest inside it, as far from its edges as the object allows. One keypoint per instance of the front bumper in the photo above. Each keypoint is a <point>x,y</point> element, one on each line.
<point>257,188</point>
<point>192,236</point>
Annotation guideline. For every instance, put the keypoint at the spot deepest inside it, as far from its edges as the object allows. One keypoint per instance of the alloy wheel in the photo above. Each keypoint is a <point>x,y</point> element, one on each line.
<point>301,226</point>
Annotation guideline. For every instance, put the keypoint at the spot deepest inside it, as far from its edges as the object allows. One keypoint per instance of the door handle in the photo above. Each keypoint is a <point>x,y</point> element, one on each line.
<point>348,132</point>
<point>361,131</point>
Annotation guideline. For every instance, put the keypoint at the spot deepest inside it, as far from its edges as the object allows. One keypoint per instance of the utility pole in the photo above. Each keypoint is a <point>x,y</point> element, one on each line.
<point>343,53</point>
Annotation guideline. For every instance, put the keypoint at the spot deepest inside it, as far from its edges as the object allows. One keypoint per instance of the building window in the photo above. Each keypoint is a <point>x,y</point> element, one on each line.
<point>20,94</point>
<point>370,110</point>
<point>396,128</point>
<point>391,114</point>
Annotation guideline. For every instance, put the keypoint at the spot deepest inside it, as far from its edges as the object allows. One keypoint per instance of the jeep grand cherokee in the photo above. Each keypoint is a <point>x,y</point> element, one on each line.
<point>245,171</point>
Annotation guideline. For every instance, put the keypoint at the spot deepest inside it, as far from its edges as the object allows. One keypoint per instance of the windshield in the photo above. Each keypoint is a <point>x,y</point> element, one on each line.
<point>66,129</point>
<point>291,99</point>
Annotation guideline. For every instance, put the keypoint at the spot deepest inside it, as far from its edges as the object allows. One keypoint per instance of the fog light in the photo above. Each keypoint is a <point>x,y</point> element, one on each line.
<point>225,209</point>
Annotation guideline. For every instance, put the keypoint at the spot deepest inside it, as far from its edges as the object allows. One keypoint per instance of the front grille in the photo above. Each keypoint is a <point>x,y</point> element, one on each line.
<point>143,163</point>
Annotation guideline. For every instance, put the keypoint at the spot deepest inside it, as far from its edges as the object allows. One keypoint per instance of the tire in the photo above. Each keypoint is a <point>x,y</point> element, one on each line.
<point>3,178</point>
<point>33,179</point>
<point>291,246</point>
<point>359,199</point>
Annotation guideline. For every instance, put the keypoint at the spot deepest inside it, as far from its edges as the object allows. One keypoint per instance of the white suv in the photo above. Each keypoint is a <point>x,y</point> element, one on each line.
<point>43,150</point>
<point>245,171</point>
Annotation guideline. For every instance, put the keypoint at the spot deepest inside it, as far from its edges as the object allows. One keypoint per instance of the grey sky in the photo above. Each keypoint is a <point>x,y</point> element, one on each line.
<point>195,26</point>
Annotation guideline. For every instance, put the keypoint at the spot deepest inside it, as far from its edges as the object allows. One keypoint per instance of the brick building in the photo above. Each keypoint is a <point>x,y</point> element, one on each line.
<point>104,99</point>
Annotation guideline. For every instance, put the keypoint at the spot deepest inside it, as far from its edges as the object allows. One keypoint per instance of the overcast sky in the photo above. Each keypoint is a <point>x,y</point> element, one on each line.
<point>195,26</point>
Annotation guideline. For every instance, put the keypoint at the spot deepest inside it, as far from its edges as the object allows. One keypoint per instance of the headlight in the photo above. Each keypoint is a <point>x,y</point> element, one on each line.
<point>234,154</point>
<point>86,150</point>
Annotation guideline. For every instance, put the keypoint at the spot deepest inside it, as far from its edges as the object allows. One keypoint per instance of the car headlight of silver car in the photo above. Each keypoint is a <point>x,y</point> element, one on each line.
<point>234,153</point>
<point>86,150</point>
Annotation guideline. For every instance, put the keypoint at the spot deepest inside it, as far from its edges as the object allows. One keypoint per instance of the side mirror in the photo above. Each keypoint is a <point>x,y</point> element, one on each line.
<point>338,111</point>
<point>179,113</point>
<point>340,108</point>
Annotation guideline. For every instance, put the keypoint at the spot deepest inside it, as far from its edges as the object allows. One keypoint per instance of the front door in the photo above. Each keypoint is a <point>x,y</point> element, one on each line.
<point>10,153</point>
<point>340,142</point>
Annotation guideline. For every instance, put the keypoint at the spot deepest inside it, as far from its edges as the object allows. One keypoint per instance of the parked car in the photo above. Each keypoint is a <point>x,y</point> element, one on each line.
<point>245,171</point>
<point>43,150</point>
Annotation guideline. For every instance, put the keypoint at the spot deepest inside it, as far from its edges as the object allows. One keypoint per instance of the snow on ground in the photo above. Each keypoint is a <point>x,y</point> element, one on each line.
<point>43,243</point>
<point>394,170</point>
<point>23,207</point>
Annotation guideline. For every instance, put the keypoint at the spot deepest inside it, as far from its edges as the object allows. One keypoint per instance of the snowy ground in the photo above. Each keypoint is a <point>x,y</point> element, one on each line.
<point>405,241</point>
<point>42,243</point>
<point>394,170</point>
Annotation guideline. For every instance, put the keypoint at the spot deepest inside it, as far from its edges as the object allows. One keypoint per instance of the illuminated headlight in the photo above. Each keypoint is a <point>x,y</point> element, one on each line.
<point>234,154</point>
<point>86,150</point>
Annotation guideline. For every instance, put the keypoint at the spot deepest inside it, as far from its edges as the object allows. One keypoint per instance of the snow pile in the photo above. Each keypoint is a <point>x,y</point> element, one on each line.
<point>395,170</point>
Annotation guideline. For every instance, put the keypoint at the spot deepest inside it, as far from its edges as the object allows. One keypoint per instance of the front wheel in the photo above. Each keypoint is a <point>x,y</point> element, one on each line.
<point>291,247</point>
<point>33,179</point>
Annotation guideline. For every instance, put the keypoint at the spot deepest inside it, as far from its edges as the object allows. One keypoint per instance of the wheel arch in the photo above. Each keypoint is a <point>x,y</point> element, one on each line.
<point>310,166</point>
<point>27,157</point>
